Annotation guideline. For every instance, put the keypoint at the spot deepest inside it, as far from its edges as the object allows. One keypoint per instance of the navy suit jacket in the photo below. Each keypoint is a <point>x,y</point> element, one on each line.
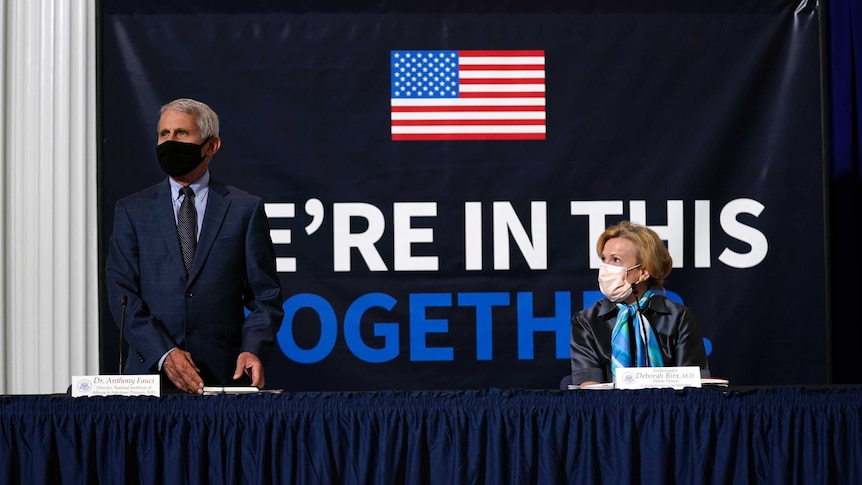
<point>202,313</point>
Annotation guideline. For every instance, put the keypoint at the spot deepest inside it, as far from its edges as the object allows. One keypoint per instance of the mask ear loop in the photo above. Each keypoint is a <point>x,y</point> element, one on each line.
<point>642,327</point>
<point>640,277</point>
<point>203,144</point>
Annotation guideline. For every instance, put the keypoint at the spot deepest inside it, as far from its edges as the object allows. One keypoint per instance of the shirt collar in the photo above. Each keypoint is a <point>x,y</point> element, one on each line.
<point>199,186</point>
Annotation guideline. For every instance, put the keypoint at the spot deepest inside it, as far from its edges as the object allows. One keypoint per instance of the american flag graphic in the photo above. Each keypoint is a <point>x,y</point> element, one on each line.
<point>468,95</point>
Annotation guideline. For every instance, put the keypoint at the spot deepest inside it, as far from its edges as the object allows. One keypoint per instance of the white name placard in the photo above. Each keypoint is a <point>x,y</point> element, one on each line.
<point>123,385</point>
<point>657,377</point>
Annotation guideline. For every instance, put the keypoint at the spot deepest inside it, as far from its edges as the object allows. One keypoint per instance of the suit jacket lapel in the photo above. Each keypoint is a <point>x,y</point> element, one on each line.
<point>217,205</point>
<point>164,210</point>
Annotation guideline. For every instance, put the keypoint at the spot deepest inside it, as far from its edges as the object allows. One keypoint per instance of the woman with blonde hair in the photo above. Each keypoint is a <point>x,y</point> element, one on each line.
<point>635,325</point>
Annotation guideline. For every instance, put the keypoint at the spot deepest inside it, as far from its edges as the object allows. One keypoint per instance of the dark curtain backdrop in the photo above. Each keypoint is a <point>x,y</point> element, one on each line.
<point>842,50</point>
<point>694,436</point>
<point>844,43</point>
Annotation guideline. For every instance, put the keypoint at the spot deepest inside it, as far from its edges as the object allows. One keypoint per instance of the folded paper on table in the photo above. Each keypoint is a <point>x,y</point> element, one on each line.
<point>210,390</point>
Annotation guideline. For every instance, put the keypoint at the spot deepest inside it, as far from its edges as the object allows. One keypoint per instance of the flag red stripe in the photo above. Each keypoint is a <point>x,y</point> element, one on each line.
<point>498,53</point>
<point>467,122</point>
<point>501,67</point>
<point>507,80</point>
<point>513,94</point>
<point>469,136</point>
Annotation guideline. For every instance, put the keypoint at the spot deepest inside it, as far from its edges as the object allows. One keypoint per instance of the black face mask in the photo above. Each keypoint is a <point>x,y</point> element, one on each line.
<point>178,158</point>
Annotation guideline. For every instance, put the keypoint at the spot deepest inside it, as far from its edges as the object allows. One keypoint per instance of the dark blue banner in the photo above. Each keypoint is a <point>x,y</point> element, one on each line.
<point>422,249</point>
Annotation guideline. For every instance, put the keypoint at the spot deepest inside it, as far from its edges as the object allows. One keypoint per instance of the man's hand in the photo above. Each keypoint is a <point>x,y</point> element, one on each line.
<point>183,372</point>
<point>249,364</point>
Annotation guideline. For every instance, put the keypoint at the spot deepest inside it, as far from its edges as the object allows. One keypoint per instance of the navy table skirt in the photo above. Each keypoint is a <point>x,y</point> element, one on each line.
<point>777,435</point>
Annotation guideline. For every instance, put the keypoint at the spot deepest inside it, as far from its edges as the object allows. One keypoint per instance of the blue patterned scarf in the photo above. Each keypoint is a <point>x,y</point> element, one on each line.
<point>647,343</point>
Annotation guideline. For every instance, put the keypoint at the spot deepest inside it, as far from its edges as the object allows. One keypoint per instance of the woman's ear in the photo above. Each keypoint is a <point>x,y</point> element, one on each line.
<point>644,276</point>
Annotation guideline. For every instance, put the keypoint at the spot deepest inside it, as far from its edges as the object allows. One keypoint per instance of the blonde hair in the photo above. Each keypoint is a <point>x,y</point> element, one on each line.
<point>653,256</point>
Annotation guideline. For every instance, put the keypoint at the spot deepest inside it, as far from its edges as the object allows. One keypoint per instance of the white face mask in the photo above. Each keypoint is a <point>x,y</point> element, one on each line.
<point>612,282</point>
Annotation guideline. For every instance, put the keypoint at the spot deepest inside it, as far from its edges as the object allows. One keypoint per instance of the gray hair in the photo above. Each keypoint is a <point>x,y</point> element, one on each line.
<point>206,118</point>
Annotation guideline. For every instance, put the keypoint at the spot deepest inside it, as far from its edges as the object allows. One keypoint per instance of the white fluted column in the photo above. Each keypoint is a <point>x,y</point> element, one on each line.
<point>5,361</point>
<point>48,215</point>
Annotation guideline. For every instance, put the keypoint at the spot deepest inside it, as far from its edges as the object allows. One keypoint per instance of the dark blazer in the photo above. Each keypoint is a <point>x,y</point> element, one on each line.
<point>204,312</point>
<point>679,338</point>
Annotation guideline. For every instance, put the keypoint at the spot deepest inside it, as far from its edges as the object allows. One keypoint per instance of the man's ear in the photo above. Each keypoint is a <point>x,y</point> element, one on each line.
<point>213,145</point>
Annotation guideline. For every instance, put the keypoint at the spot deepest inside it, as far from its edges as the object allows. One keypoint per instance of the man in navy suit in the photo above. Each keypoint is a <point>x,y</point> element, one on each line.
<point>185,301</point>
